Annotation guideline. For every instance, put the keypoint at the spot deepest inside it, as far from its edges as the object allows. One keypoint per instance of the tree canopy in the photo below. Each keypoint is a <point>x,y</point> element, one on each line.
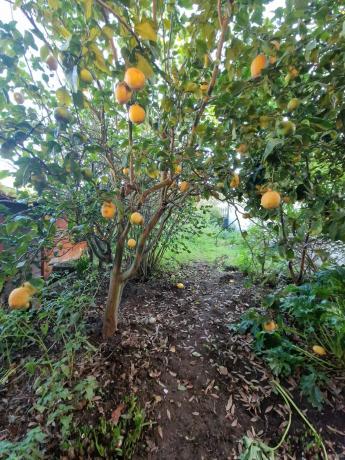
<point>236,102</point>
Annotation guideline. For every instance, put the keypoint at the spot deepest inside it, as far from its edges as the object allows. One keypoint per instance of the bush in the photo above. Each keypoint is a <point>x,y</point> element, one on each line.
<point>305,316</point>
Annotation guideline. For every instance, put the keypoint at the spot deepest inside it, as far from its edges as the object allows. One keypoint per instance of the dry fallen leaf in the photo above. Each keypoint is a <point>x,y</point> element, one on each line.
<point>116,414</point>
<point>154,374</point>
<point>160,431</point>
<point>223,370</point>
<point>173,349</point>
<point>229,404</point>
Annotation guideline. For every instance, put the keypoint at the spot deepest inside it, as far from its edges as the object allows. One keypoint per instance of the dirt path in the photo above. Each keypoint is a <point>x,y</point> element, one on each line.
<point>176,351</point>
<point>201,386</point>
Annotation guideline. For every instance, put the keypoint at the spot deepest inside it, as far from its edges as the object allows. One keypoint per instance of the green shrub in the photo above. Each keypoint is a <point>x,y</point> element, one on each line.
<point>306,315</point>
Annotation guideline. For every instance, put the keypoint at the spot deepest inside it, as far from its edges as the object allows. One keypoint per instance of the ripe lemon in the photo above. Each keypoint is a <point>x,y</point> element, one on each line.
<point>235,181</point>
<point>257,65</point>
<point>85,76</point>
<point>184,186</point>
<point>131,243</point>
<point>18,97</point>
<point>136,218</point>
<point>270,326</point>
<point>136,114</point>
<point>108,210</point>
<point>319,350</point>
<point>52,63</point>
<point>123,93</point>
<point>125,171</point>
<point>135,78</point>
<point>270,200</point>
<point>180,286</point>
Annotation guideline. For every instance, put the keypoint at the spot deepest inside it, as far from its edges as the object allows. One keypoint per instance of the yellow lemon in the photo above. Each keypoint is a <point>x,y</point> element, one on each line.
<point>136,114</point>
<point>131,243</point>
<point>270,200</point>
<point>136,218</point>
<point>135,78</point>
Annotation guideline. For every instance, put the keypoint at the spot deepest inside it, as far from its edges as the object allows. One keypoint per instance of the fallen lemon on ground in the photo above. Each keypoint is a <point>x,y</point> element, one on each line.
<point>131,243</point>
<point>319,350</point>
<point>270,200</point>
<point>108,210</point>
<point>20,297</point>
<point>136,114</point>
<point>270,326</point>
<point>135,78</point>
<point>136,218</point>
<point>180,286</point>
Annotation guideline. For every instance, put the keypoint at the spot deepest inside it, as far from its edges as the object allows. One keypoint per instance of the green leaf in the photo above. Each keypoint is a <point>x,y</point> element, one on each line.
<point>88,8</point>
<point>146,30</point>
<point>144,65</point>
<point>270,146</point>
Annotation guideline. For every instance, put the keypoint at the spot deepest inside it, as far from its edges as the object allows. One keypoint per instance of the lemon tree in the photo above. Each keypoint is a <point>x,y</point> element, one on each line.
<point>114,114</point>
<point>102,111</point>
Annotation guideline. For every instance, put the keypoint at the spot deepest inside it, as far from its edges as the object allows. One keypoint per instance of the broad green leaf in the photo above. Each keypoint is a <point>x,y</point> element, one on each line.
<point>271,145</point>
<point>146,30</point>
<point>144,65</point>
<point>88,8</point>
<point>54,4</point>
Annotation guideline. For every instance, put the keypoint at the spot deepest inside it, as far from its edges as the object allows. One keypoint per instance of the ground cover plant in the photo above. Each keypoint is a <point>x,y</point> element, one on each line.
<point>302,332</point>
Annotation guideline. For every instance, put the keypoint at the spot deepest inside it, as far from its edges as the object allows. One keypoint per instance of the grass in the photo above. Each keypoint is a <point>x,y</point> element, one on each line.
<point>212,246</point>
<point>215,245</point>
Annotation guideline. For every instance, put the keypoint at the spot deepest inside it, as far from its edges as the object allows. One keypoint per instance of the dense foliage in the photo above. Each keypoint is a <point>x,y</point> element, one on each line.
<point>305,317</point>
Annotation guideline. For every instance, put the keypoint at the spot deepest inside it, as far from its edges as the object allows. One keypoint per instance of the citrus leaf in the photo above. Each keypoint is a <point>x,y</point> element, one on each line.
<point>88,8</point>
<point>144,65</point>
<point>145,29</point>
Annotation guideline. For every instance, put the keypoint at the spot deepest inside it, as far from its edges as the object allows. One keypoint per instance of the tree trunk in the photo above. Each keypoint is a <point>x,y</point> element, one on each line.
<point>111,314</point>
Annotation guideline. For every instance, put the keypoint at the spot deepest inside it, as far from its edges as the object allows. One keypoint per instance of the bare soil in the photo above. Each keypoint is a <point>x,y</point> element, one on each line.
<point>201,385</point>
